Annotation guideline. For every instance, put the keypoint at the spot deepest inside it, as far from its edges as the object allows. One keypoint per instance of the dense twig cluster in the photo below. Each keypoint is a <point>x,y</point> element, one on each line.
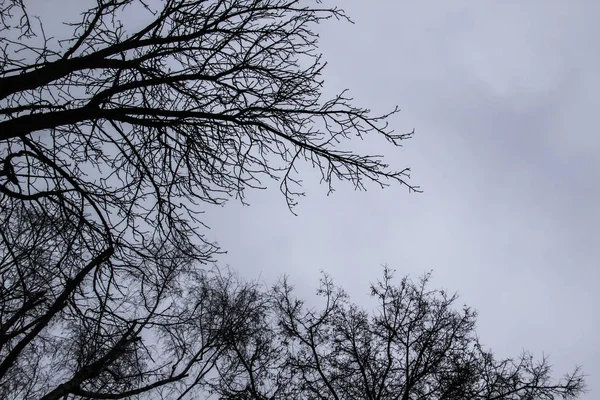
<point>414,345</point>
<point>110,142</point>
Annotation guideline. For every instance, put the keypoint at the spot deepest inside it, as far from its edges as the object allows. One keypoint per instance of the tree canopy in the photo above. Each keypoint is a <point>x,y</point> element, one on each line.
<point>112,140</point>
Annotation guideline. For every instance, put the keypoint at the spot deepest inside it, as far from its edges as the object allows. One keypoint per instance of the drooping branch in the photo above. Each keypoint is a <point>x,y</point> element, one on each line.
<point>112,141</point>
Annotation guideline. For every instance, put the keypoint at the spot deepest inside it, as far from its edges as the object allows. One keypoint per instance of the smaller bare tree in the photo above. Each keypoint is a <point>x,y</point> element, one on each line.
<point>414,345</point>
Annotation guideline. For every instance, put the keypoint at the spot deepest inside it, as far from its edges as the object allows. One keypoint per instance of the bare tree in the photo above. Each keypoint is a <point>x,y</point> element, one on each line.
<point>414,345</point>
<point>111,140</point>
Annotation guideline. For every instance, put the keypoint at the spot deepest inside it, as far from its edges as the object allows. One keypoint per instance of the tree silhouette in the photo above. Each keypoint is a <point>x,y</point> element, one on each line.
<point>414,345</point>
<point>111,141</point>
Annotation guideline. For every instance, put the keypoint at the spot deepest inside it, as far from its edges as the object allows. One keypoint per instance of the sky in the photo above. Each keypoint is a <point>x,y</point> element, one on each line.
<point>503,97</point>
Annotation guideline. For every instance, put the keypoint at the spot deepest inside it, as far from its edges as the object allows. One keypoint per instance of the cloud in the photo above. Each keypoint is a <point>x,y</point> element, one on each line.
<point>503,97</point>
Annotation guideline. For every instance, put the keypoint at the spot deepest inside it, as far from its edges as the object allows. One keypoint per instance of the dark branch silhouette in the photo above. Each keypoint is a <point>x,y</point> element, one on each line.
<point>113,139</point>
<point>413,345</point>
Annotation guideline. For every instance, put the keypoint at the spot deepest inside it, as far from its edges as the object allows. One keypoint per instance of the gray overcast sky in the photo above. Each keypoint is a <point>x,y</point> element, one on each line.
<point>504,100</point>
<point>504,97</point>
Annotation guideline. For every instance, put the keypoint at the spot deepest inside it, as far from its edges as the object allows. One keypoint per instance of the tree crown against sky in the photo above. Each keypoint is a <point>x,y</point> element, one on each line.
<point>414,343</point>
<point>140,129</point>
<point>111,142</point>
<point>112,139</point>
